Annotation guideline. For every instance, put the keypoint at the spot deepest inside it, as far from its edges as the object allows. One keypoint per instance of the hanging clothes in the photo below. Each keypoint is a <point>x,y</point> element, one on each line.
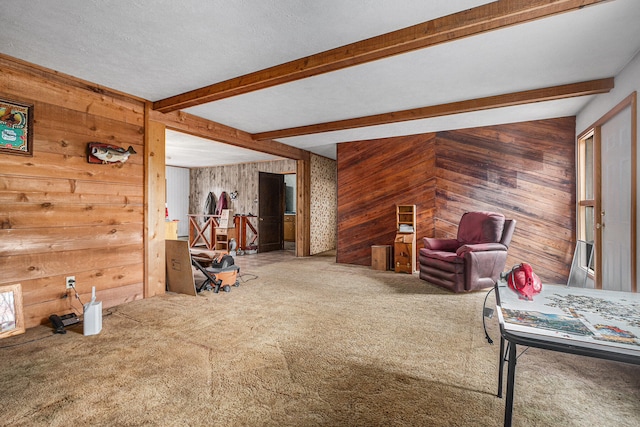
<point>210,205</point>
<point>223,203</point>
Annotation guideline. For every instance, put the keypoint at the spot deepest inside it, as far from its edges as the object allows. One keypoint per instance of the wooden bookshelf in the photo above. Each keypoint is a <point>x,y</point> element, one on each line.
<point>404,246</point>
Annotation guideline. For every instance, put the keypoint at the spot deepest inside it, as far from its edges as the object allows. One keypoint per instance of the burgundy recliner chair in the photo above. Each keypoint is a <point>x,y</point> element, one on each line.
<point>475,259</point>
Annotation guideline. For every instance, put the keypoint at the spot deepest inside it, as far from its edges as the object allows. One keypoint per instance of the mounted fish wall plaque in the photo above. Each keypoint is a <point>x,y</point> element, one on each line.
<point>98,152</point>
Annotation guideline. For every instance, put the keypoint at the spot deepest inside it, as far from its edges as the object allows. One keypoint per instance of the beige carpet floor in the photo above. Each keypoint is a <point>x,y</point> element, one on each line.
<point>307,343</point>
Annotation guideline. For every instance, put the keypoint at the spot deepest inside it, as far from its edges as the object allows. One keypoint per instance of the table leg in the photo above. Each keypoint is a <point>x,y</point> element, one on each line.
<point>501,367</point>
<point>511,376</point>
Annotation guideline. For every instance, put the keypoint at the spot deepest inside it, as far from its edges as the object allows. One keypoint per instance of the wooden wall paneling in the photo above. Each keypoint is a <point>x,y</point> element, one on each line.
<point>535,240</point>
<point>66,215</point>
<point>47,288</point>
<point>242,178</point>
<point>43,278</point>
<point>35,83</point>
<point>524,170</point>
<point>61,216</point>
<point>50,190</point>
<point>58,166</point>
<point>65,125</point>
<point>155,259</point>
<point>303,207</point>
<point>493,197</point>
<point>39,313</point>
<point>374,176</point>
<point>19,241</point>
<point>67,262</point>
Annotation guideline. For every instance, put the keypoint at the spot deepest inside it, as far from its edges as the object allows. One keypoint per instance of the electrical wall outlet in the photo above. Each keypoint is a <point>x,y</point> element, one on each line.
<point>70,281</point>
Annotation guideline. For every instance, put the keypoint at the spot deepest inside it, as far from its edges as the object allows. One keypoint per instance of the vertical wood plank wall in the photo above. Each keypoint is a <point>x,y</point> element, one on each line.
<point>524,170</point>
<point>61,216</point>
<point>242,178</point>
<point>155,200</point>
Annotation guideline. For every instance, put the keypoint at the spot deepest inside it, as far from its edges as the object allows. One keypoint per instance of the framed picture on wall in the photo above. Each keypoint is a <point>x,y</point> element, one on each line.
<point>11,315</point>
<point>16,128</point>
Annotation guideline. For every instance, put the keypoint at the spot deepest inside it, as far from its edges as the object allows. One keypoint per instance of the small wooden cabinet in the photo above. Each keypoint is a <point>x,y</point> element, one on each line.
<point>289,228</point>
<point>404,246</point>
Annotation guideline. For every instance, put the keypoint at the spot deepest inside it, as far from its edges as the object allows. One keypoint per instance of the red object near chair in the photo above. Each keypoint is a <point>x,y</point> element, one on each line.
<point>522,280</point>
<point>474,259</point>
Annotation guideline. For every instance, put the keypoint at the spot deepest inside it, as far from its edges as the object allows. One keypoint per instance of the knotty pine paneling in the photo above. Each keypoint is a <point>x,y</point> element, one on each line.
<point>374,176</point>
<point>15,241</point>
<point>524,170</point>
<point>36,84</point>
<point>61,216</point>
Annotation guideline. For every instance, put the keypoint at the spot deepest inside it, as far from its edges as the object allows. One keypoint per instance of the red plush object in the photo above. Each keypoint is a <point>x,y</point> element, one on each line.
<point>524,281</point>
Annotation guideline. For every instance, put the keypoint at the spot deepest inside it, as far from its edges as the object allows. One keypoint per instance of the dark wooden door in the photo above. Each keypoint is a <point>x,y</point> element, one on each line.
<point>271,212</point>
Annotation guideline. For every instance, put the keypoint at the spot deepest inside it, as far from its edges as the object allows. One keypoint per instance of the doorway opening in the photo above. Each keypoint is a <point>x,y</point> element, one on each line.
<point>277,212</point>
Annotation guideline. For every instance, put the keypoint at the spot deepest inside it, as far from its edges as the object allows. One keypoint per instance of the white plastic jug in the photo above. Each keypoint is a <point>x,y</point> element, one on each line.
<point>92,319</point>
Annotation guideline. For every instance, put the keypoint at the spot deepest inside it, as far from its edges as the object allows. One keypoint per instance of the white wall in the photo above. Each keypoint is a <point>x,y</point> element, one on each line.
<point>178,197</point>
<point>626,82</point>
<point>291,191</point>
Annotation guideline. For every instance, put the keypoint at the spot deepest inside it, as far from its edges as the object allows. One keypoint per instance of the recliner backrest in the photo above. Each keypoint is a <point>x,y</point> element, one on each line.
<point>507,232</point>
<point>481,227</point>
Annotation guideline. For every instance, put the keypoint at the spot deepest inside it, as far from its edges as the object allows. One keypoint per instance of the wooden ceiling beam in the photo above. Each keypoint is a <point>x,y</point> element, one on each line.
<point>488,17</point>
<point>591,87</point>
<point>203,128</point>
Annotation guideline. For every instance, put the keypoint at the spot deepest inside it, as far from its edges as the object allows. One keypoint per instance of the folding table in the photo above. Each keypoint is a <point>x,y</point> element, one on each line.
<point>588,322</point>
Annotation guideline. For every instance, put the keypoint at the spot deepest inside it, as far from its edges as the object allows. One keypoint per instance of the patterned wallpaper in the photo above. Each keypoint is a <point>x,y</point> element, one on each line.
<point>324,204</point>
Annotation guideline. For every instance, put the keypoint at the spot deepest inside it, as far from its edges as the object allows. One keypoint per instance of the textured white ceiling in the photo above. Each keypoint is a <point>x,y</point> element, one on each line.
<point>510,60</point>
<point>191,151</point>
<point>159,48</point>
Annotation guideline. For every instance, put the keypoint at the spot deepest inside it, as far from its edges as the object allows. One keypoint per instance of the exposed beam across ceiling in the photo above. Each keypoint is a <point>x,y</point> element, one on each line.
<point>467,23</point>
<point>591,87</point>
<point>194,125</point>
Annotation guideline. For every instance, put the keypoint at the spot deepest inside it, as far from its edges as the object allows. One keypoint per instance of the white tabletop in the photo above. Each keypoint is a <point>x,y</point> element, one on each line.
<point>577,317</point>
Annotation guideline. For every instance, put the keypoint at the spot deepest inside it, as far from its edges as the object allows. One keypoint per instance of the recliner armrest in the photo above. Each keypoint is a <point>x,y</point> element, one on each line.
<point>440,244</point>
<point>480,247</point>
